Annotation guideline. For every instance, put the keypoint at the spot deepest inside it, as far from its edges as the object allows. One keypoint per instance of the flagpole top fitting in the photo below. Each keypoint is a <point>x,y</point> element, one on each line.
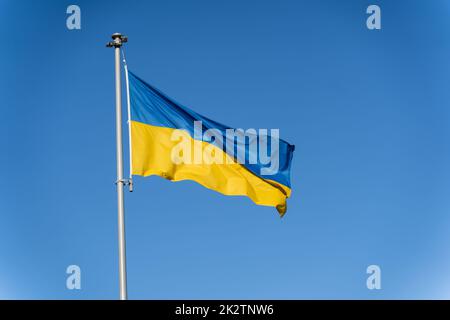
<point>118,40</point>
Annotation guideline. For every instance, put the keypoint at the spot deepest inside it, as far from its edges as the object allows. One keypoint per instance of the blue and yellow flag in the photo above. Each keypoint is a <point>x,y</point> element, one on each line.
<point>176,143</point>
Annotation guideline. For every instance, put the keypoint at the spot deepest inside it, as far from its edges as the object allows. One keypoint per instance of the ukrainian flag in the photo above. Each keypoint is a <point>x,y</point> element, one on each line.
<point>154,120</point>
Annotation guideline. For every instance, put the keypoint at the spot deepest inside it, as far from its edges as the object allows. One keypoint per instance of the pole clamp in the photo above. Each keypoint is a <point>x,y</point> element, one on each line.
<point>126,182</point>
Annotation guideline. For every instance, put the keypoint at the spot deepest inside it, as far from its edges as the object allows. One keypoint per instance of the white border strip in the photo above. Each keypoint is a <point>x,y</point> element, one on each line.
<point>129,114</point>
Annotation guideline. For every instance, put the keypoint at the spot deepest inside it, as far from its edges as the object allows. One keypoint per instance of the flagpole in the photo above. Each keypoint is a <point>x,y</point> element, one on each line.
<point>117,42</point>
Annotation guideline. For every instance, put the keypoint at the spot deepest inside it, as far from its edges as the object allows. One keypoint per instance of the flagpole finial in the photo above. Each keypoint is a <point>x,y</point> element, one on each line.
<point>118,40</point>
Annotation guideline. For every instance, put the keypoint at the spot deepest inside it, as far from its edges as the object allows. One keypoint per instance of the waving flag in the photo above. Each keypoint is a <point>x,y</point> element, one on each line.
<point>176,143</point>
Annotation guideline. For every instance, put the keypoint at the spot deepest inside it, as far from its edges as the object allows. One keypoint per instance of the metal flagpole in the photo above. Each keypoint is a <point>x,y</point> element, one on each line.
<point>117,42</point>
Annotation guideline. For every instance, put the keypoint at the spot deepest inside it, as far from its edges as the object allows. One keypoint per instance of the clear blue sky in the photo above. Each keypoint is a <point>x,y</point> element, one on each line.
<point>367,111</point>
